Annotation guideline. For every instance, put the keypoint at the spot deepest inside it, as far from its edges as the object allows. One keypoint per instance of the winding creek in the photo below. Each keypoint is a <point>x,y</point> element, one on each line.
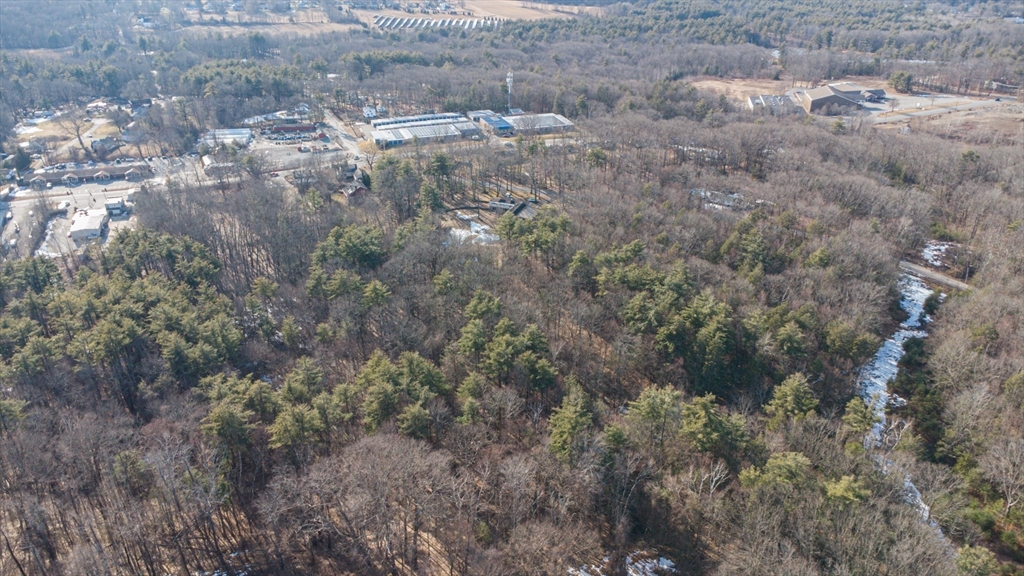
<point>873,385</point>
<point>875,376</point>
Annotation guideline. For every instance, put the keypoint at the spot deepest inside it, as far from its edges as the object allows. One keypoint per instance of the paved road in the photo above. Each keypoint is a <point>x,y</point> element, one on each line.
<point>350,144</point>
<point>933,276</point>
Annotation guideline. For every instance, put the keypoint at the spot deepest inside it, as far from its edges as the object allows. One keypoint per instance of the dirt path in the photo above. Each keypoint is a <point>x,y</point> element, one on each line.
<point>933,276</point>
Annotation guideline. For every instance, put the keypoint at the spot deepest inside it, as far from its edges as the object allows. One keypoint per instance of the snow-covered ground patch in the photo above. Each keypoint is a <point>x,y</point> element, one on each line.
<point>638,563</point>
<point>48,248</point>
<point>934,252</point>
<point>477,234</point>
<point>21,129</point>
<point>875,376</point>
<point>35,121</point>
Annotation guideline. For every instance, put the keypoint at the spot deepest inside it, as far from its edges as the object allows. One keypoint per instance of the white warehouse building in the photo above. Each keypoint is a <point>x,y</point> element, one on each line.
<point>88,224</point>
<point>425,128</point>
<point>235,136</point>
<point>539,123</point>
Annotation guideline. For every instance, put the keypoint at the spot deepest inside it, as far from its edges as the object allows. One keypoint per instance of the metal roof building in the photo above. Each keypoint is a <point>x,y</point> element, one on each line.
<point>498,125</point>
<point>441,118</point>
<point>425,128</point>
<point>236,136</point>
<point>397,136</point>
<point>539,123</point>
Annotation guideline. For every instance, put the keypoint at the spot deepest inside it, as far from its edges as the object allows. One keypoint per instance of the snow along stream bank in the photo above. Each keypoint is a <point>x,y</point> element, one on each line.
<point>873,384</point>
<point>875,376</point>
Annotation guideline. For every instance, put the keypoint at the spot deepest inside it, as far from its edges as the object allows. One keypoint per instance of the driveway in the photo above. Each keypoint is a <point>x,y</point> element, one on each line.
<point>933,276</point>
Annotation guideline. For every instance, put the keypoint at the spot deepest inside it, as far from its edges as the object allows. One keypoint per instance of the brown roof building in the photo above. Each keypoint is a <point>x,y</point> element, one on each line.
<point>824,99</point>
<point>835,96</point>
<point>105,174</point>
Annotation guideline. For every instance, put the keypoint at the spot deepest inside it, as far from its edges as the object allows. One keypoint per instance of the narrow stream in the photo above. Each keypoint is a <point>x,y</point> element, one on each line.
<point>873,383</point>
<point>875,376</point>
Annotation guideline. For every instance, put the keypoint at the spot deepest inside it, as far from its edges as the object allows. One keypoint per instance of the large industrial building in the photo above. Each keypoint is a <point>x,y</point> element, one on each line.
<point>539,123</point>
<point>297,116</point>
<point>419,119</point>
<point>235,136</point>
<point>444,127</point>
<point>837,96</point>
<point>492,122</point>
<point>499,125</point>
<point>450,126</point>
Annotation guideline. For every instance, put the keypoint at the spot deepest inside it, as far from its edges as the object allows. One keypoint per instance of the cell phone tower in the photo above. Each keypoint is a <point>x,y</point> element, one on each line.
<point>508,82</point>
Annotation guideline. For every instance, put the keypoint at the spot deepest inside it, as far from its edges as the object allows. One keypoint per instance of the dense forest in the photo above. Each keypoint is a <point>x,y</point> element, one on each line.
<point>265,381</point>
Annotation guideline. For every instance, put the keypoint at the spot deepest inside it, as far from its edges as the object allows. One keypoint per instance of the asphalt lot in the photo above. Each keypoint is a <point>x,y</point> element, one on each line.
<point>918,105</point>
<point>28,207</point>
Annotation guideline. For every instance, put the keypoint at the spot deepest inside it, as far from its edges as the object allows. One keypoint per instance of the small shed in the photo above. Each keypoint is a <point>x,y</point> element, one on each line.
<point>114,206</point>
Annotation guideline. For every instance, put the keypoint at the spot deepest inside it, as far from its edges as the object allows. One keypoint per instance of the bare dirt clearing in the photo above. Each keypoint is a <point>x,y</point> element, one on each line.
<point>998,124</point>
<point>740,89</point>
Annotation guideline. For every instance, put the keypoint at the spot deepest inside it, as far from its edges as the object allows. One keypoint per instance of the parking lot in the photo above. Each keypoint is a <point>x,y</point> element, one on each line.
<point>46,214</point>
<point>30,209</point>
<point>903,107</point>
<point>26,213</point>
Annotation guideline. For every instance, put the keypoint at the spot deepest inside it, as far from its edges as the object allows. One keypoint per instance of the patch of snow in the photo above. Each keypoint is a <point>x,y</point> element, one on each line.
<point>875,376</point>
<point>46,250</point>
<point>21,129</point>
<point>638,563</point>
<point>873,380</point>
<point>934,252</point>
<point>477,234</point>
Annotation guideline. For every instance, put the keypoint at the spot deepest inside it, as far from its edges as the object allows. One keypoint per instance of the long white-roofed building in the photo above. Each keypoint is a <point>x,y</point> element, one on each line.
<point>540,123</point>
<point>424,128</point>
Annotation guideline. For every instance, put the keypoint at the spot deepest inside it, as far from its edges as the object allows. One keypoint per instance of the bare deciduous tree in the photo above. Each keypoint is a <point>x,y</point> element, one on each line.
<point>1003,465</point>
<point>73,125</point>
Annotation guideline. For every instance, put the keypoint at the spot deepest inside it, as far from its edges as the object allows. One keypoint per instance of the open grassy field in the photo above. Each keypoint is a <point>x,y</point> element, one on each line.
<point>500,9</point>
<point>517,10</point>
<point>303,22</point>
<point>1002,124</point>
